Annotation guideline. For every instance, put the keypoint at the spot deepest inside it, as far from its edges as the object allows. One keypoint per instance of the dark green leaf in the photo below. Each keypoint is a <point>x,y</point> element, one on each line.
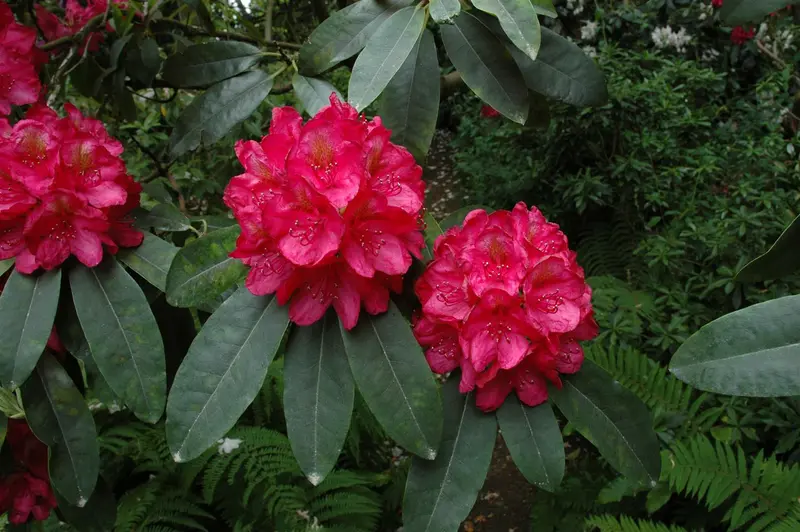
<point>69,330</point>
<point>212,114</point>
<point>202,270</point>
<point>165,217</point>
<point>738,12</point>
<point>534,441</point>
<point>6,265</point>
<point>223,371</point>
<point>613,419</point>
<point>123,336</point>
<point>485,66</point>
<point>157,190</point>
<point>432,232</point>
<point>344,34</point>
<point>99,514</point>
<point>440,494</point>
<point>28,307</point>
<point>214,222</point>
<point>124,106</point>
<point>201,9</point>
<point>545,8</point>
<point>393,377</point>
<point>318,395</point>
<point>782,259</point>
<point>562,72</point>
<point>443,11</point>
<point>3,428</point>
<point>457,218</point>
<point>410,104</point>
<point>539,113</point>
<point>143,61</point>
<point>519,21</point>
<point>313,93</point>
<point>116,51</point>
<point>752,352</point>
<point>59,417</point>
<point>207,63</point>
<point>151,260</point>
<point>384,54</point>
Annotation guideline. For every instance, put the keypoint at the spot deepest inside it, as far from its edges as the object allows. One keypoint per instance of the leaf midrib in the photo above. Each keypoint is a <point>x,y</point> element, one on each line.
<point>760,353</point>
<point>22,333</point>
<point>535,442</point>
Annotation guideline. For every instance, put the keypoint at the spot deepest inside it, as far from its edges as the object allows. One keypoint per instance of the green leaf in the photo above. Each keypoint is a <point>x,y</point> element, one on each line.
<point>738,12</point>
<point>440,493</point>
<point>384,54</point>
<point>6,265</point>
<point>443,11</point>
<point>393,377</point>
<point>3,428</point>
<point>409,106</point>
<point>457,218</point>
<point>123,336</point>
<point>59,417</point>
<point>539,113</point>
<point>214,221</point>
<point>201,10</point>
<point>151,260</point>
<point>432,232</point>
<point>534,440</point>
<point>545,8</point>
<point>318,396</point>
<point>143,61</point>
<point>344,34</point>
<point>519,21</point>
<point>752,352</point>
<point>28,305</point>
<point>562,72</point>
<point>212,114</point>
<point>613,419</point>
<point>782,259</point>
<point>208,63</point>
<point>313,93</point>
<point>164,217</point>
<point>223,372</point>
<point>485,66</point>
<point>202,271</point>
<point>99,514</point>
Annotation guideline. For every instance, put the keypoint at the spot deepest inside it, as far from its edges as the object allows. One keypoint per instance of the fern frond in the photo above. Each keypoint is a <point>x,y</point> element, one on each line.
<point>651,382</point>
<point>360,508</point>
<point>760,494</point>
<point>610,523</point>
<point>606,248</point>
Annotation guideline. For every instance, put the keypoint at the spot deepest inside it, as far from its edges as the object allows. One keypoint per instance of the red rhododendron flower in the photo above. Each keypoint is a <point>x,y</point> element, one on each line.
<point>26,492</point>
<point>63,191</point>
<point>739,35</point>
<point>329,212</point>
<point>76,16</point>
<point>716,3</point>
<point>487,111</point>
<point>19,61</point>
<point>505,301</point>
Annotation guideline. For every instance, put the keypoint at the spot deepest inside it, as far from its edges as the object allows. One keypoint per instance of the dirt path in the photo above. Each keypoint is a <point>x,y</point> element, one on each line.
<point>443,194</point>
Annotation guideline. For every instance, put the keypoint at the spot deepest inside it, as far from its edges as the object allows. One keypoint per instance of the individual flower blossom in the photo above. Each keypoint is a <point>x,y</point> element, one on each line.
<point>739,35</point>
<point>19,62</point>
<point>487,111</point>
<point>330,213</point>
<point>505,301</point>
<point>228,445</point>
<point>589,30</point>
<point>26,491</point>
<point>63,191</point>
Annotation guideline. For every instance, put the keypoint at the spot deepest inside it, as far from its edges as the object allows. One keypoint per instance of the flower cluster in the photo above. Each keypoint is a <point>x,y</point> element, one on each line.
<point>740,35</point>
<point>76,16</point>
<point>27,490</point>
<point>504,300</point>
<point>19,62</point>
<point>329,211</point>
<point>63,190</point>
<point>666,37</point>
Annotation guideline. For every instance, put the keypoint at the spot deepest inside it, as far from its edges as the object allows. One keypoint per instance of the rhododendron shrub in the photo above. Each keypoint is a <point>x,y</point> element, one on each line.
<point>25,493</point>
<point>505,301</point>
<point>65,191</point>
<point>19,63</point>
<point>329,211</point>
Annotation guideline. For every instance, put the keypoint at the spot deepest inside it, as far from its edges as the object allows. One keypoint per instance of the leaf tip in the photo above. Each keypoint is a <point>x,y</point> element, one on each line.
<point>430,453</point>
<point>177,458</point>
<point>315,478</point>
<point>81,502</point>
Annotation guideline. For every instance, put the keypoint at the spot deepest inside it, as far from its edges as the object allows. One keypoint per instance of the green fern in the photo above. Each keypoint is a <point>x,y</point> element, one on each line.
<point>610,523</point>
<point>157,505</point>
<point>607,248</point>
<point>761,494</point>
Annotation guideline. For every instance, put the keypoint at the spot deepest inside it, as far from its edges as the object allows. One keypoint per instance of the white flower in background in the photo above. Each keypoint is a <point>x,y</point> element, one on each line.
<point>589,30</point>
<point>709,55</point>
<point>666,37</point>
<point>591,51</point>
<point>706,11</point>
<point>575,6</point>
<point>228,445</point>
<point>762,31</point>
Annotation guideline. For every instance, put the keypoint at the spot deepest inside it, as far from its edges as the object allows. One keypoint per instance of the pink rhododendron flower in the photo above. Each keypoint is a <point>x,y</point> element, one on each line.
<point>63,191</point>
<point>740,35</point>
<point>19,62</point>
<point>716,3</point>
<point>330,213</point>
<point>26,492</point>
<point>76,15</point>
<point>487,111</point>
<point>505,301</point>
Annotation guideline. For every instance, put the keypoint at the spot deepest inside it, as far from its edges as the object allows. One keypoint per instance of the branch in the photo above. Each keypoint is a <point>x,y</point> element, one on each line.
<point>268,20</point>
<point>200,32</point>
<point>775,59</point>
<point>75,37</point>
